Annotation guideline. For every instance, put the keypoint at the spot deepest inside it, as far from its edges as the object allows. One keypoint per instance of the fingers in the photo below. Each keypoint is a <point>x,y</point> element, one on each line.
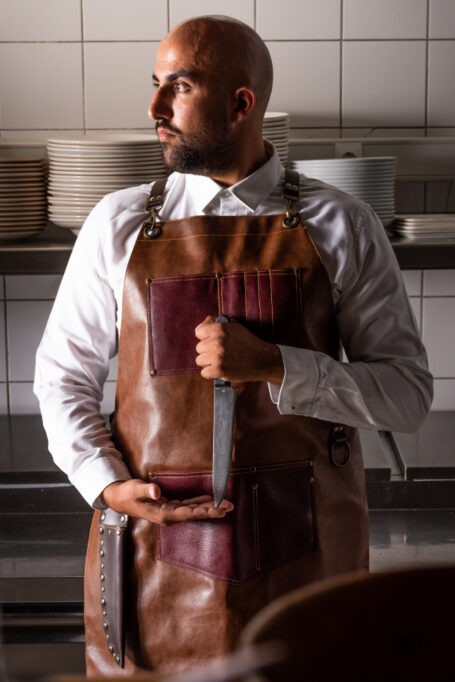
<point>201,330</point>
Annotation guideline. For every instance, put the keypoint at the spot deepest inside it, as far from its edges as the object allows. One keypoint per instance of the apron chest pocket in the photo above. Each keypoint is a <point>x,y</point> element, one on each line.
<point>272,521</point>
<point>267,302</point>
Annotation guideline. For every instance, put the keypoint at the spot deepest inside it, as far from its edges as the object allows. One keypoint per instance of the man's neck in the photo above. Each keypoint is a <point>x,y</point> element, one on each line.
<point>244,167</point>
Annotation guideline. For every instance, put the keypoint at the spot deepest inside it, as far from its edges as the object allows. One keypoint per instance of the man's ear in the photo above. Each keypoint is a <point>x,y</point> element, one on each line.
<point>245,102</point>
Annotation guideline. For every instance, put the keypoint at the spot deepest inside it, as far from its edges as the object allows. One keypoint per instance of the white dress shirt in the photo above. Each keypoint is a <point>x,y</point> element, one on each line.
<point>384,385</point>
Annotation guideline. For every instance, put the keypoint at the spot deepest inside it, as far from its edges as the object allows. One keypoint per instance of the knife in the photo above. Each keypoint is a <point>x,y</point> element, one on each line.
<point>224,398</point>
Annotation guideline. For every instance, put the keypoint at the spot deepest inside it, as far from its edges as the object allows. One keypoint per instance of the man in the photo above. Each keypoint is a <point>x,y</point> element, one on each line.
<point>300,268</point>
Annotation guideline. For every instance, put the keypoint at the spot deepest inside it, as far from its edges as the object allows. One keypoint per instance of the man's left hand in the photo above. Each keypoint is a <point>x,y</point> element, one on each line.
<point>227,350</point>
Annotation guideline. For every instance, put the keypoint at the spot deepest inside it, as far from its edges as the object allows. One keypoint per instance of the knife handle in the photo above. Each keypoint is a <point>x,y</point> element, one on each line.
<point>220,383</point>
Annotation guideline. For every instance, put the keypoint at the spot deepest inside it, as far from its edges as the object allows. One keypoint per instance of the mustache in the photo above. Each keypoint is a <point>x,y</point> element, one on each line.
<point>166,126</point>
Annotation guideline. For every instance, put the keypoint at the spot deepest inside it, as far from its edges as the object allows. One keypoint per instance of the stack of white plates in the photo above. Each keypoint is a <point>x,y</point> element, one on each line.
<point>276,129</point>
<point>22,197</point>
<point>424,225</point>
<point>369,179</point>
<point>83,168</point>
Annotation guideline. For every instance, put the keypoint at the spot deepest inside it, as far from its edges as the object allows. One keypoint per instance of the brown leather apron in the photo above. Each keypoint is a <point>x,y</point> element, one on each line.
<point>191,587</point>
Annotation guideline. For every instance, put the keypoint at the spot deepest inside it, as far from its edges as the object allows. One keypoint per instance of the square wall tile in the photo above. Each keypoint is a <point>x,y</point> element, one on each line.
<point>4,403</point>
<point>298,19</point>
<point>441,91</point>
<point>386,19</point>
<point>444,395</point>
<point>442,19</point>
<point>22,399</point>
<point>26,323</point>
<point>439,335</point>
<point>120,20</point>
<point>108,402</point>
<point>433,157</point>
<point>113,368</point>
<point>180,10</point>
<point>439,283</point>
<point>3,358</point>
<point>118,81</point>
<point>409,197</point>
<point>32,286</point>
<point>416,307</point>
<point>3,399</point>
<point>412,281</point>
<point>384,83</point>
<point>312,97</point>
<point>40,20</point>
<point>437,196</point>
<point>41,85</point>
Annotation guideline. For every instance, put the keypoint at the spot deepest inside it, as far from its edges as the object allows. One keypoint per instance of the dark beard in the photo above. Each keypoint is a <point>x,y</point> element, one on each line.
<point>205,152</point>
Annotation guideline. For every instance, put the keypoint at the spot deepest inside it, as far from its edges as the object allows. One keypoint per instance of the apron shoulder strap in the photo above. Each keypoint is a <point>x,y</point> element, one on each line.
<point>151,227</point>
<point>155,199</point>
<point>291,187</point>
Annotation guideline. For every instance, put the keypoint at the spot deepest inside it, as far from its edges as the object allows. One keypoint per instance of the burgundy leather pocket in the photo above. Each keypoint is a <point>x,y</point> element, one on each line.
<point>272,521</point>
<point>265,301</point>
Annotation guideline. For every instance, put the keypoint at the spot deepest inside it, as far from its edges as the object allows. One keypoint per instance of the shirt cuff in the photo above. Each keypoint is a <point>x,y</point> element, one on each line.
<point>92,479</point>
<point>298,389</point>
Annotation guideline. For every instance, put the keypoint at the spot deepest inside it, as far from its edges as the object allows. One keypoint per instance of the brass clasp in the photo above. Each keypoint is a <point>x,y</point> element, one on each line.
<point>152,227</point>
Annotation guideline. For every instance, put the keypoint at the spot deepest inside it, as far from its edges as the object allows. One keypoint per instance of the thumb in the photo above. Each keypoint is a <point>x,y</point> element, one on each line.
<point>154,491</point>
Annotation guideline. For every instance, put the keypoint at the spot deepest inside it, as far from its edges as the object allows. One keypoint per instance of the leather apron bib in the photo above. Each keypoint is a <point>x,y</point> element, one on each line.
<point>192,587</point>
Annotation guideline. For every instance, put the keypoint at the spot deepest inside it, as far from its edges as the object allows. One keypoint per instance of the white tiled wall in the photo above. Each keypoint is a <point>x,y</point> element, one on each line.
<point>25,304</point>
<point>342,67</point>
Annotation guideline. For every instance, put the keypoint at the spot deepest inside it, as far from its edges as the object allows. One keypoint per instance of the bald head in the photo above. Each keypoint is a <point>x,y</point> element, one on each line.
<point>231,51</point>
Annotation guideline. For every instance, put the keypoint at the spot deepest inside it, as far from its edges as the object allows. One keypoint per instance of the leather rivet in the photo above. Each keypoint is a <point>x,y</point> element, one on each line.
<point>102,553</point>
<point>103,602</point>
<point>117,658</point>
<point>105,625</point>
<point>111,648</point>
<point>151,474</point>
<point>118,532</point>
<point>103,589</point>
<point>122,519</point>
<point>102,565</point>
<point>104,613</point>
<point>102,542</point>
<point>108,636</point>
<point>103,516</point>
<point>102,576</point>
<point>153,372</point>
<point>109,532</point>
<point>101,530</point>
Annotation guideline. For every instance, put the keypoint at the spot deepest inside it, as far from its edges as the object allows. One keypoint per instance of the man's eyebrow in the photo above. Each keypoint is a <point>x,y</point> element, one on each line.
<point>181,73</point>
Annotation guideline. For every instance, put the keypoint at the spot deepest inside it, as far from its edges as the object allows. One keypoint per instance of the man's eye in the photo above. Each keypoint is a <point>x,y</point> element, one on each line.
<point>181,87</point>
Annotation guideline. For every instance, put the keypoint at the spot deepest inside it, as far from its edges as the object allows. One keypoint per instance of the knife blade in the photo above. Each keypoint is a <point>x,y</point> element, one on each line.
<point>224,399</point>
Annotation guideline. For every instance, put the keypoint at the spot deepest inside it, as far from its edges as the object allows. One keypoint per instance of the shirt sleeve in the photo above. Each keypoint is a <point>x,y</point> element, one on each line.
<point>386,383</point>
<point>72,364</point>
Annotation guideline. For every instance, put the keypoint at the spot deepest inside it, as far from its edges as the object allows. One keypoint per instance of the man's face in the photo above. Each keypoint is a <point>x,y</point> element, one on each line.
<point>191,107</point>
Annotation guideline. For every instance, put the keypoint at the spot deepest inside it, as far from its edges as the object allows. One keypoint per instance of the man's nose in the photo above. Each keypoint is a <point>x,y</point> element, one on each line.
<point>159,106</point>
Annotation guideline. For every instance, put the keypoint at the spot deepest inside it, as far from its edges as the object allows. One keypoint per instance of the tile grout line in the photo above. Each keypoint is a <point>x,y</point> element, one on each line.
<point>168,8</point>
<point>427,51</point>
<point>267,40</point>
<point>84,102</point>
<point>5,315</point>
<point>340,112</point>
<point>255,10</point>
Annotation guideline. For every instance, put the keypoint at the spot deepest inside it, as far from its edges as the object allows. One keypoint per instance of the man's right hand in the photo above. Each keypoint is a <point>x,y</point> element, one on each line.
<point>144,500</point>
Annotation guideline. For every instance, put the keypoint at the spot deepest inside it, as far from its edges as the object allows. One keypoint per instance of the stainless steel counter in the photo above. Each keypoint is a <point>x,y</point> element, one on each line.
<point>48,253</point>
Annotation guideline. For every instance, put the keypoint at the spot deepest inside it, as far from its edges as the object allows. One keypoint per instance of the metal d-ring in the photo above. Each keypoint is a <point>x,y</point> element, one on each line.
<point>151,227</point>
<point>290,218</point>
<point>339,440</point>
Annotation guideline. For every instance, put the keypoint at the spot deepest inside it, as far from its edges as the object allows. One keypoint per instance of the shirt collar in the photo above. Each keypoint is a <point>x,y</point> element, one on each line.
<point>251,191</point>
